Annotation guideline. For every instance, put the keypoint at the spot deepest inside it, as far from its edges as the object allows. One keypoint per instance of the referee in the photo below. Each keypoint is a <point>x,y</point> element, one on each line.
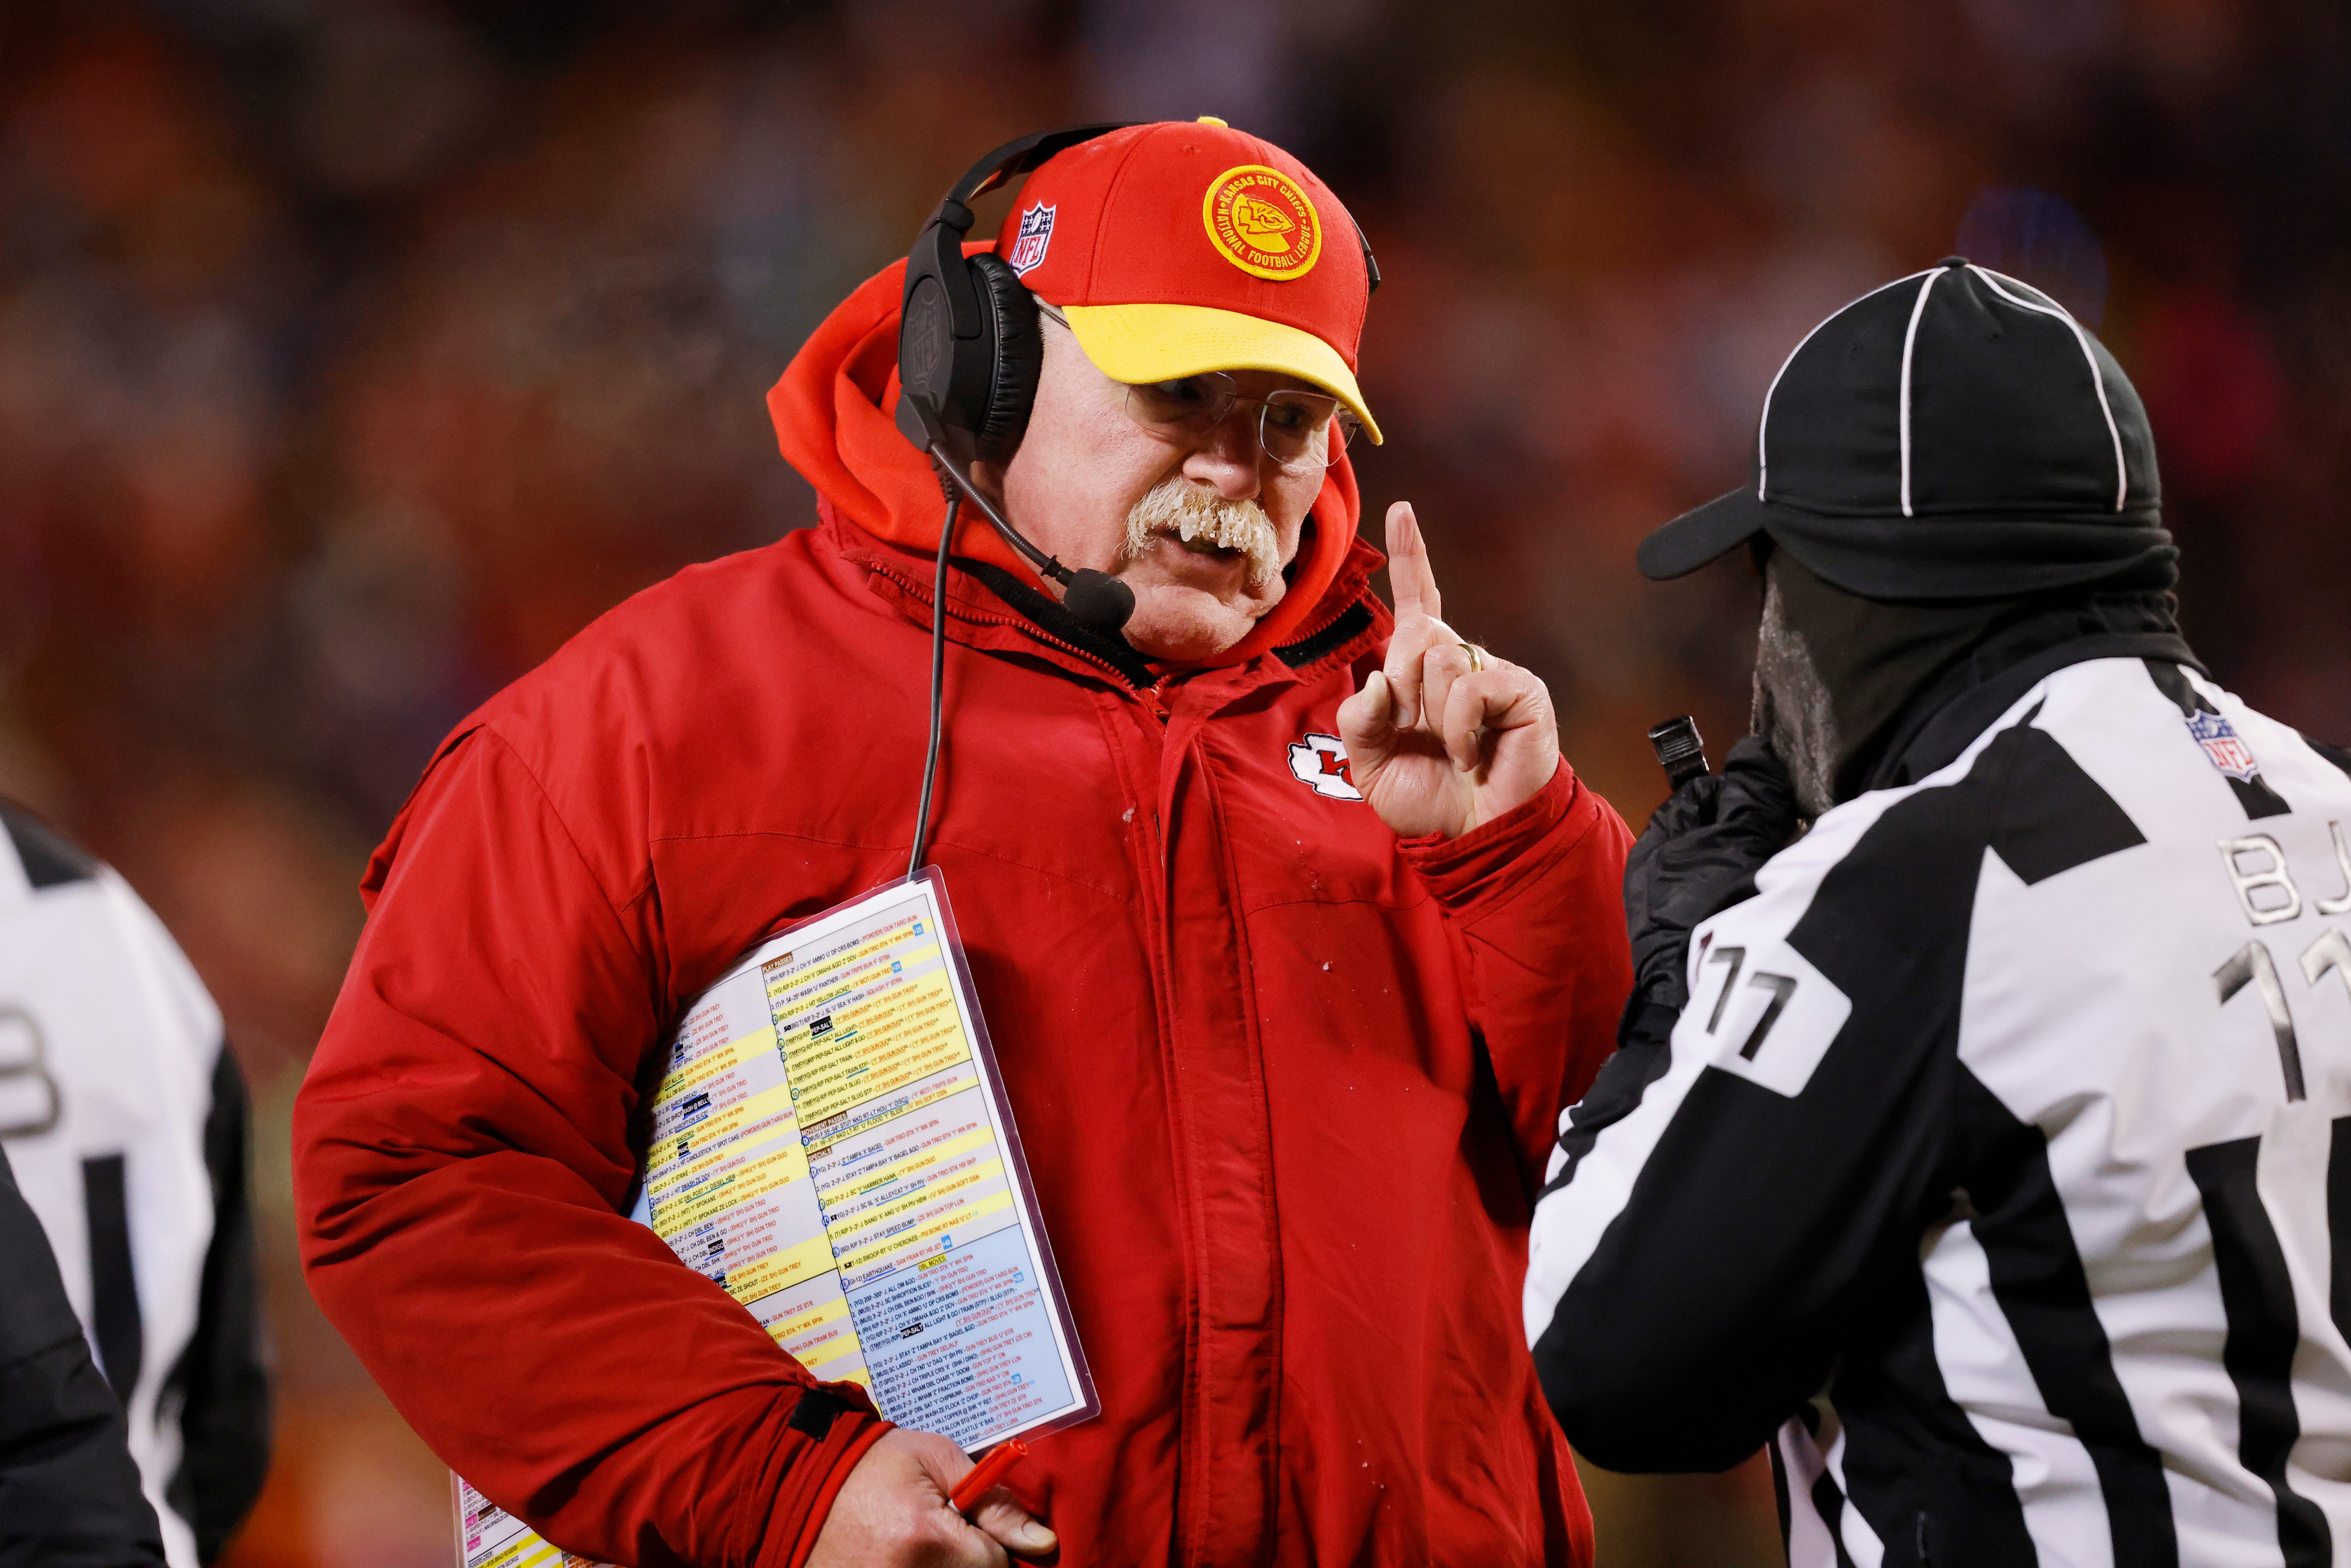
<point>123,1117</point>
<point>1989,1142</point>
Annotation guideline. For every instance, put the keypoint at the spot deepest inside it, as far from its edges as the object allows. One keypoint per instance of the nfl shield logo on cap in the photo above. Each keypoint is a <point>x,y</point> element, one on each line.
<point>1036,233</point>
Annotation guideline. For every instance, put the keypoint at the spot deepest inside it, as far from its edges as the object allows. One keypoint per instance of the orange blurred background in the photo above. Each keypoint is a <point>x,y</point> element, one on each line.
<point>352,355</point>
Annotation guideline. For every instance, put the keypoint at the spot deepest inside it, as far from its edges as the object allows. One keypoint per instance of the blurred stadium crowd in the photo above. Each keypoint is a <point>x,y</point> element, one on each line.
<point>352,355</point>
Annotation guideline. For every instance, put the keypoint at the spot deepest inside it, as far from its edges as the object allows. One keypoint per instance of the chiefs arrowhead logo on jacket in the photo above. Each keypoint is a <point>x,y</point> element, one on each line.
<point>1320,761</point>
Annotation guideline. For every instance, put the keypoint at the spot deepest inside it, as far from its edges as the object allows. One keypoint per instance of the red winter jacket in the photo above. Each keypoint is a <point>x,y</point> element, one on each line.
<point>1286,1084</point>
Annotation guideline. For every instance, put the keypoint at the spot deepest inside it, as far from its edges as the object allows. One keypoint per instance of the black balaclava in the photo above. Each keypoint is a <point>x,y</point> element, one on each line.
<point>1840,679</point>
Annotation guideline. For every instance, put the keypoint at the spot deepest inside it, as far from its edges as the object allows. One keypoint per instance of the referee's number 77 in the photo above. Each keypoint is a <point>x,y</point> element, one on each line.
<point>1781,987</point>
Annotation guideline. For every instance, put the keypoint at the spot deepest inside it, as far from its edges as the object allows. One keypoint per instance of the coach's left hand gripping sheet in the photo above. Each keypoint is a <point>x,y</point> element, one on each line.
<point>832,1145</point>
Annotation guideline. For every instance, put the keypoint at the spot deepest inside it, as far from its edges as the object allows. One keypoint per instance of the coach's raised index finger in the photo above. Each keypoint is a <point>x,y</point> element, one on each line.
<point>1409,577</point>
<point>1417,608</point>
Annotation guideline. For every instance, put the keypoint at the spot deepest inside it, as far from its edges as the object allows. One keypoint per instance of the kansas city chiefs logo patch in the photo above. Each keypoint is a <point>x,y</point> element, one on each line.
<point>1320,762</point>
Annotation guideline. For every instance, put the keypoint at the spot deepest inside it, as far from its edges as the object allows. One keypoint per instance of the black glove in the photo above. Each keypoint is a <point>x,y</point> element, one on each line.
<point>1699,857</point>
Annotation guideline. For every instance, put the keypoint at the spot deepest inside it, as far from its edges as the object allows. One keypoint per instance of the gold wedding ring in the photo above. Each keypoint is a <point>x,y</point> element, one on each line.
<point>1477,656</point>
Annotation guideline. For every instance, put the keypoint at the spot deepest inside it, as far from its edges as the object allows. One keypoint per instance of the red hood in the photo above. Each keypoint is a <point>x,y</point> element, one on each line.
<point>834,411</point>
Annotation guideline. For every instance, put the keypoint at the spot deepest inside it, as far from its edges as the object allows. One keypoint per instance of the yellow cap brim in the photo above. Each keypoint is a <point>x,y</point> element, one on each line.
<point>1140,343</point>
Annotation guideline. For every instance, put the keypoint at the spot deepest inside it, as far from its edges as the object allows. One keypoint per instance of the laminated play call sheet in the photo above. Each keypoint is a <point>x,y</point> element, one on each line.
<point>831,1145</point>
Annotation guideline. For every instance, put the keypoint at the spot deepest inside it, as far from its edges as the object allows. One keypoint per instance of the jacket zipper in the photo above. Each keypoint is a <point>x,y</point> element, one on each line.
<point>921,592</point>
<point>1315,630</point>
<point>1153,696</point>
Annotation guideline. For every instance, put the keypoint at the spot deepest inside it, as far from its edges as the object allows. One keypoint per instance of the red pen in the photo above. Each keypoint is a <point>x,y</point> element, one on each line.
<point>984,1475</point>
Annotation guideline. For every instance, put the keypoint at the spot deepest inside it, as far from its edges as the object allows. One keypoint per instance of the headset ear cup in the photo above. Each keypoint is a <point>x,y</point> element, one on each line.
<point>1020,357</point>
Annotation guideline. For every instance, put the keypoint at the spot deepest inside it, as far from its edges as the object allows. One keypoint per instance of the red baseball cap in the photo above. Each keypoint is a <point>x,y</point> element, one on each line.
<point>1184,247</point>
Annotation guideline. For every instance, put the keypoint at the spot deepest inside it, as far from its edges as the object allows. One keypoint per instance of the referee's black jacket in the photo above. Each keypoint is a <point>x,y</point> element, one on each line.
<point>68,1492</point>
<point>2001,1161</point>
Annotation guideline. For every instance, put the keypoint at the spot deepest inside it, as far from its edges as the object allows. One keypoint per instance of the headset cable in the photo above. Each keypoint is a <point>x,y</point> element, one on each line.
<point>938,671</point>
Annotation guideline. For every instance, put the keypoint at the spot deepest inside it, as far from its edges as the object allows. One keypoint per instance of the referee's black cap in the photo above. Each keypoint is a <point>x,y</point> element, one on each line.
<point>1953,434</point>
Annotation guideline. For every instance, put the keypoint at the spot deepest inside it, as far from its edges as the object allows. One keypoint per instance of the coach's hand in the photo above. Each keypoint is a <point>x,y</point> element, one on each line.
<point>1435,745</point>
<point>893,1512</point>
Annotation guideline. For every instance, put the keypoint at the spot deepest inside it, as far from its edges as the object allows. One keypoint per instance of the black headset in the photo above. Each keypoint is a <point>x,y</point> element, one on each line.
<point>970,350</point>
<point>968,341</point>
<point>969,353</point>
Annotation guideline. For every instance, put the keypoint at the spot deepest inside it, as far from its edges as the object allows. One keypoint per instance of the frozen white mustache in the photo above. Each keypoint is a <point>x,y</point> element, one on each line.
<point>1193,514</point>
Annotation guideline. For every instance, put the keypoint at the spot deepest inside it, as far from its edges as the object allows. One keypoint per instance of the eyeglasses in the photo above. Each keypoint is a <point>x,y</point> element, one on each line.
<point>1298,429</point>
<point>1294,427</point>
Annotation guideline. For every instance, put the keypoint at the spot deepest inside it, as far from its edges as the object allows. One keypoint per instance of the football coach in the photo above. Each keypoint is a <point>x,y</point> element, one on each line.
<point>1293,928</point>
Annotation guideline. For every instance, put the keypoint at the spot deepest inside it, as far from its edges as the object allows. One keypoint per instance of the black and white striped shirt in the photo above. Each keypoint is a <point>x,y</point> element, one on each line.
<point>124,1117</point>
<point>2001,1160</point>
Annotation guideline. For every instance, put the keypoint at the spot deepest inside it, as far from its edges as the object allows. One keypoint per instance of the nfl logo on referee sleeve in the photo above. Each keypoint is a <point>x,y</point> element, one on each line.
<point>1036,233</point>
<point>2223,745</point>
